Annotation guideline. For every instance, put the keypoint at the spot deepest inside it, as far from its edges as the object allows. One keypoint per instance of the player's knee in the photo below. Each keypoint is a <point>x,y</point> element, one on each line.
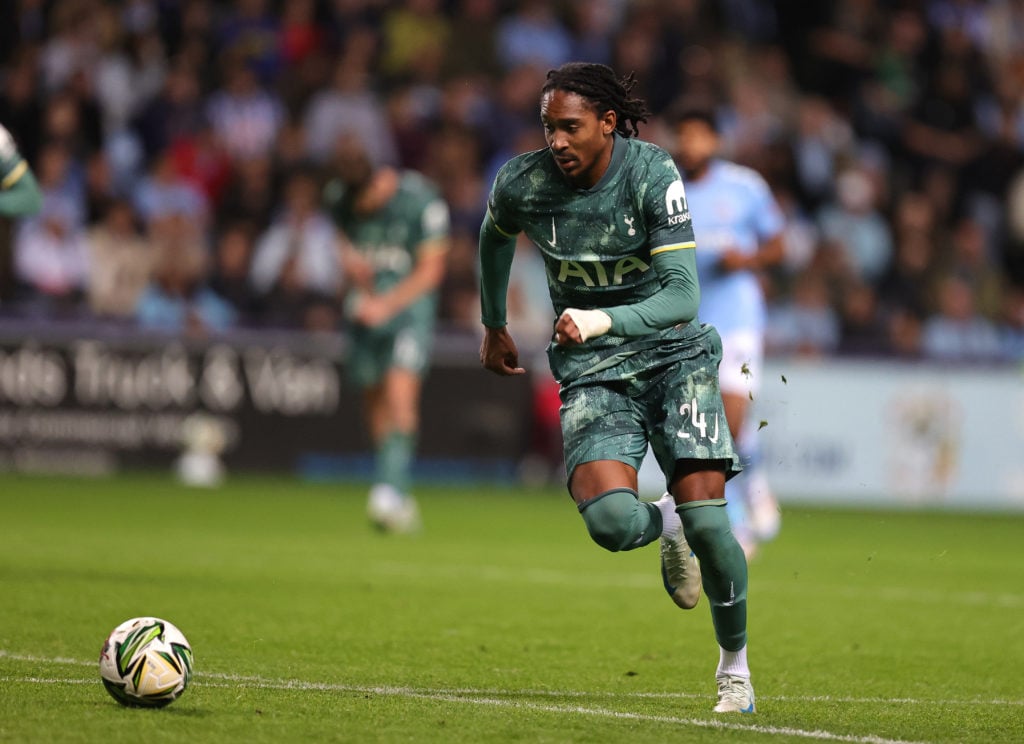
<point>616,520</point>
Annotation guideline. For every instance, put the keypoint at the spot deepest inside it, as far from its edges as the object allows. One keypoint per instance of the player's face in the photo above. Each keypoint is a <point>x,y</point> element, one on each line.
<point>579,138</point>
<point>696,144</point>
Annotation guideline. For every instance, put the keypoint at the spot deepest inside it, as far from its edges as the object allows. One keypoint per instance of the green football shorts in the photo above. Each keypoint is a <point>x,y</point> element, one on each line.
<point>675,404</point>
<point>372,353</point>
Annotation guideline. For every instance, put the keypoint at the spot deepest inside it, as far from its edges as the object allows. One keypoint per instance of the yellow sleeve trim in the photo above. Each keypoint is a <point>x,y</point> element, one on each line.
<point>14,175</point>
<point>673,247</point>
<point>497,227</point>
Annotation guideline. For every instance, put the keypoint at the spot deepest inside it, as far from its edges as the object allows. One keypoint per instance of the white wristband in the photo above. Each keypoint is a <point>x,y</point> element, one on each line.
<point>592,323</point>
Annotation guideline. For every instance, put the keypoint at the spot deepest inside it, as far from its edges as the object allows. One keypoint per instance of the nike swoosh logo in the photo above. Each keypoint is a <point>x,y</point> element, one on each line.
<point>554,237</point>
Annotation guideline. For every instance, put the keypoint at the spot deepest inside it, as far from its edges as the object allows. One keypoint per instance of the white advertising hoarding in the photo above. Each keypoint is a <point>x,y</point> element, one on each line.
<point>889,434</point>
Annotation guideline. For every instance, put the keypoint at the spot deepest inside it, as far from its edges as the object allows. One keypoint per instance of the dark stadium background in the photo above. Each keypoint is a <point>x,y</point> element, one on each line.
<point>892,133</point>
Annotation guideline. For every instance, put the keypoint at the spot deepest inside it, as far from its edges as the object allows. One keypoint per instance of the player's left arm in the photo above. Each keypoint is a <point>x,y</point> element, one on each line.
<point>676,302</point>
<point>428,271</point>
<point>19,191</point>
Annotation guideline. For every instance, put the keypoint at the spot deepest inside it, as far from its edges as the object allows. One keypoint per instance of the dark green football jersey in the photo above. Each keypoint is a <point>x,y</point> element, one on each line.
<point>391,237</point>
<point>598,244</point>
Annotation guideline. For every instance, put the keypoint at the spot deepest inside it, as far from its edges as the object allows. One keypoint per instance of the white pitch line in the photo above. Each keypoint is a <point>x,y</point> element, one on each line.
<point>816,734</point>
<point>298,684</point>
<point>697,722</point>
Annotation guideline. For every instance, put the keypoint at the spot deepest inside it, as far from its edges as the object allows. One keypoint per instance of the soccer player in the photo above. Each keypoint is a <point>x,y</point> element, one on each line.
<point>394,235</point>
<point>19,192</point>
<point>609,215</point>
<point>739,228</point>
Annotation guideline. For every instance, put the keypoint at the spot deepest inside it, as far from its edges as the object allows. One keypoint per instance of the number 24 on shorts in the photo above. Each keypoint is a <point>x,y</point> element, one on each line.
<point>697,420</point>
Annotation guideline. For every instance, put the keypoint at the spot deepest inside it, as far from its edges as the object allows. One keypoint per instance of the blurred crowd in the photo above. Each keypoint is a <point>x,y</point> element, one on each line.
<point>182,146</point>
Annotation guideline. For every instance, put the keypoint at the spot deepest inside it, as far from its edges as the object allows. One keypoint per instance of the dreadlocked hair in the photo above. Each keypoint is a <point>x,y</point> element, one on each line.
<point>604,90</point>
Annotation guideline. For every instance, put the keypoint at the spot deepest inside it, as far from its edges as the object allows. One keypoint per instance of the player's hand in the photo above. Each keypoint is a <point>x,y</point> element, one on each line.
<point>575,326</point>
<point>372,311</point>
<point>357,269</point>
<point>732,260</point>
<point>498,352</point>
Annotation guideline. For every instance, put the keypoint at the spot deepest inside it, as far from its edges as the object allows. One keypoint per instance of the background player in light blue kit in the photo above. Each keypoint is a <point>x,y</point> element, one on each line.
<point>738,226</point>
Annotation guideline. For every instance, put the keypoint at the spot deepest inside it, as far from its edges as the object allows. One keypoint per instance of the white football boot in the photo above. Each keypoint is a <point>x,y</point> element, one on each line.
<point>391,511</point>
<point>735,694</point>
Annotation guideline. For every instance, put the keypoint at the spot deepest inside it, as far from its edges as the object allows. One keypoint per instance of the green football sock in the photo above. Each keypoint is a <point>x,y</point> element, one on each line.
<point>394,460</point>
<point>723,568</point>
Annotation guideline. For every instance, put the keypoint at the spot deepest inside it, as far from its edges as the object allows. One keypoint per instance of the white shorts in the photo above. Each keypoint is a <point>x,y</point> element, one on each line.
<point>742,362</point>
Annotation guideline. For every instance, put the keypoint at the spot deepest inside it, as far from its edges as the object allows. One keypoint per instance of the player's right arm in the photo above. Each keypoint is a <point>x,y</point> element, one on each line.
<point>498,351</point>
<point>768,224</point>
<point>19,192</point>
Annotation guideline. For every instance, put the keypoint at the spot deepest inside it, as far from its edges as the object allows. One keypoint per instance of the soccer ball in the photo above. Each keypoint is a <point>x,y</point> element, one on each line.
<point>146,663</point>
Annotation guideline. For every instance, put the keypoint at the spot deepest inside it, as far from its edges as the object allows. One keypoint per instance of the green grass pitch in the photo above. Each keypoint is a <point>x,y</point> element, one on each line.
<point>500,622</point>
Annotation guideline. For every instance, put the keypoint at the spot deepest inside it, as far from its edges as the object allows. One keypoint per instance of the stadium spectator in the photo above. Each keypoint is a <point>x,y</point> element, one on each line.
<point>823,139</point>
<point>475,25</point>
<point>71,46</point>
<point>129,74</point>
<point>60,178</point>
<point>51,261</point>
<point>120,262</point>
<point>592,27</point>
<point>198,159</point>
<point>905,333</point>
<point>940,130</point>
<point>512,118</point>
<point>957,332</point>
<point>349,105</point>
<point>295,270</point>
<point>862,331</point>
<point>229,278</point>
<point>969,257</point>
<point>72,117</point>
<point>178,300</point>
<point>1011,326</point>
<point>100,184</point>
<point>806,324</point>
<point>175,113</point>
<point>251,34</point>
<point>855,224</point>
<point>251,193</point>
<point>910,281</point>
<point>305,53</point>
<point>415,34</point>
<point>895,77</point>
<point>302,37</point>
<point>533,34</point>
<point>163,192</point>
<point>245,115</point>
